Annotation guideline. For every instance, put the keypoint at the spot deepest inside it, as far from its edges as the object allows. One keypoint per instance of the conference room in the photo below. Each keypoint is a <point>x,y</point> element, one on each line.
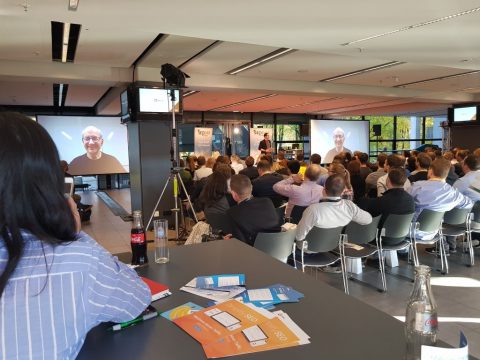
<point>303,78</point>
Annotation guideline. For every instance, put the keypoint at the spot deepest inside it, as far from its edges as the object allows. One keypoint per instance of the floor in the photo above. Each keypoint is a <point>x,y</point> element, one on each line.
<point>457,294</point>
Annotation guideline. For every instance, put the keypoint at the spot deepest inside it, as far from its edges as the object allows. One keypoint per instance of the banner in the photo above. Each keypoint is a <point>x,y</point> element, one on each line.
<point>203,141</point>
<point>256,135</point>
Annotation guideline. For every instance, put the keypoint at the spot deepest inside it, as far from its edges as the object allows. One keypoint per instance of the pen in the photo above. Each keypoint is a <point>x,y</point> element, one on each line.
<point>133,322</point>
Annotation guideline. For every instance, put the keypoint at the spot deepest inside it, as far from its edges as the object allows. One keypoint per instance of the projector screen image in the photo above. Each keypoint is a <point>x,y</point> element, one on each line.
<point>157,100</point>
<point>465,114</point>
<point>331,137</point>
<point>91,145</point>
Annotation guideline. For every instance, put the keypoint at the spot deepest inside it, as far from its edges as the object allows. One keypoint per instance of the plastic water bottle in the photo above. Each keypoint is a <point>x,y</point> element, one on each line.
<point>421,322</point>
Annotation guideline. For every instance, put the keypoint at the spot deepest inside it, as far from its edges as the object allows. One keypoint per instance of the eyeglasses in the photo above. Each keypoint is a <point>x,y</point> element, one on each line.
<point>95,139</point>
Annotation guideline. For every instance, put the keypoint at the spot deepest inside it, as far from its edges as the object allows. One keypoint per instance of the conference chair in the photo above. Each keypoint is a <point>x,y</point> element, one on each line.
<point>281,215</point>
<point>279,245</point>
<point>296,213</point>
<point>430,221</point>
<point>456,222</point>
<point>395,235</point>
<point>360,242</point>
<point>218,223</point>
<point>475,225</point>
<point>322,242</point>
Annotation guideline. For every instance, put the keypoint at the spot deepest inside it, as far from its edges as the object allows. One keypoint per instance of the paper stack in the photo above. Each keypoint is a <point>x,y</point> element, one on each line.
<point>216,287</point>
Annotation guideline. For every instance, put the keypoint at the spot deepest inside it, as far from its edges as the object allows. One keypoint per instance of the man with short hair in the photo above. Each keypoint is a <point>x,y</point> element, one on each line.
<point>250,170</point>
<point>422,163</point>
<point>307,193</point>
<point>371,180</point>
<point>469,184</point>
<point>364,169</point>
<point>265,146</point>
<point>251,215</point>
<point>339,140</point>
<point>435,194</point>
<point>263,185</point>
<point>202,171</point>
<point>393,160</point>
<point>317,159</point>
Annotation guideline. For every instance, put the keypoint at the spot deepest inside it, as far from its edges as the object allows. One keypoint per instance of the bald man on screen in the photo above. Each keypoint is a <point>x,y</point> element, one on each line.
<point>339,139</point>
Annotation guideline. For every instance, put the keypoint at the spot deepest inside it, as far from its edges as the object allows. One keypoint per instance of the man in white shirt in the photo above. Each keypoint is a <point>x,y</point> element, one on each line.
<point>393,160</point>
<point>202,171</point>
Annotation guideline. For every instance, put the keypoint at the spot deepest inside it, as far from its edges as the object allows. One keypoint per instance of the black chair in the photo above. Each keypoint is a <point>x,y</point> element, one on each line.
<point>456,222</point>
<point>430,221</point>
<point>281,215</point>
<point>296,213</point>
<point>219,222</point>
<point>316,249</point>
<point>279,245</point>
<point>357,244</point>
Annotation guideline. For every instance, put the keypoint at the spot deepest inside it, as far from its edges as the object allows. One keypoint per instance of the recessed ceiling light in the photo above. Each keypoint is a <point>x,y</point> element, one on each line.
<point>261,60</point>
<point>73,5</point>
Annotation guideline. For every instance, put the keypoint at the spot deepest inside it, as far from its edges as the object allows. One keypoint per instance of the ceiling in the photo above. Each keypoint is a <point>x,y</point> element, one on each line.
<point>403,57</point>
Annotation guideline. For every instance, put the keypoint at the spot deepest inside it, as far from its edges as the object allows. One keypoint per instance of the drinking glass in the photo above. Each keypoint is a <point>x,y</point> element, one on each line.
<point>160,227</point>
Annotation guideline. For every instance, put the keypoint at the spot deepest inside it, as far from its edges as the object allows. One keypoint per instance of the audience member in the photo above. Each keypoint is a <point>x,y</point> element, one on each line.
<point>215,197</point>
<point>358,183</point>
<point>460,156</point>
<point>202,171</point>
<point>250,171</point>
<point>339,169</point>
<point>191,164</point>
<point>411,165</point>
<point>307,193</point>
<point>236,165</point>
<point>364,169</point>
<point>293,166</point>
<point>422,164</point>
<point>48,269</point>
<point>263,185</point>
<point>251,215</point>
<point>469,184</point>
<point>317,159</point>
<point>371,180</point>
<point>64,167</point>
<point>393,160</point>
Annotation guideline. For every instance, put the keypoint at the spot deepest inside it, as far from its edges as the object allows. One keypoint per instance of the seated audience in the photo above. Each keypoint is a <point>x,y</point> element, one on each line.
<point>411,165</point>
<point>303,165</point>
<point>199,198</point>
<point>394,201</point>
<point>280,162</point>
<point>371,180</point>
<point>191,164</point>
<point>215,197</point>
<point>358,183</point>
<point>435,194</point>
<point>250,171</point>
<point>309,192</point>
<point>339,169</point>
<point>422,164</point>
<point>317,160</point>
<point>364,169</point>
<point>293,166</point>
<point>460,156</point>
<point>203,171</point>
<point>56,282</point>
<point>469,184</point>
<point>237,164</point>
<point>251,215</point>
<point>263,185</point>
<point>393,160</point>
<point>186,177</point>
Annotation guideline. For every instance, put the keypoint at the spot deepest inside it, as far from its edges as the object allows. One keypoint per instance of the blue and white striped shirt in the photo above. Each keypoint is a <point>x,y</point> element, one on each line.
<point>50,303</point>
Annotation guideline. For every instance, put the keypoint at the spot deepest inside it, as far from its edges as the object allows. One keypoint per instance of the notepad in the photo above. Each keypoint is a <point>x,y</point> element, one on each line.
<point>158,290</point>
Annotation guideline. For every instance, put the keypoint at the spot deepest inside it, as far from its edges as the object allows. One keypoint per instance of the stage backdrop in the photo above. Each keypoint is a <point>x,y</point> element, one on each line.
<point>256,135</point>
<point>203,141</point>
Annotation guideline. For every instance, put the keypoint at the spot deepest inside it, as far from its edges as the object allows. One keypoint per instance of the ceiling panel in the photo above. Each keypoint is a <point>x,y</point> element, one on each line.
<point>174,50</point>
<point>203,101</point>
<point>26,93</point>
<point>84,95</point>
<point>226,57</point>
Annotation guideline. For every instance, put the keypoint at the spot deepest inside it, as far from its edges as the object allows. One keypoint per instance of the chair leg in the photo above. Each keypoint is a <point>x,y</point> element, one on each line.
<point>443,254</point>
<point>470,248</point>
<point>381,265</point>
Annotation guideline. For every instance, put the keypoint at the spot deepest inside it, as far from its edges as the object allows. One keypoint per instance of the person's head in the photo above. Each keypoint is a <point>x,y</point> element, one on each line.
<point>216,186</point>
<point>411,163</point>
<point>266,136</point>
<point>423,161</point>
<point>477,152</point>
<point>339,169</point>
<point>283,164</point>
<point>268,158</point>
<point>448,155</point>
<point>224,169</point>
<point>312,172</point>
<point>438,153</point>
<point>293,166</point>
<point>92,141</point>
<point>347,157</point>
<point>64,166</point>
<point>394,160</point>
<point>210,162</point>
<point>280,155</point>
<point>431,154</point>
<point>263,167</point>
<point>461,155</point>
<point>439,168</point>
<point>396,177</point>
<point>249,161</point>
<point>201,161</point>
<point>300,157</point>
<point>31,190</point>
<point>353,167</point>
<point>363,158</point>
<point>338,138</point>
<point>240,187</point>
<point>471,163</point>
<point>381,159</point>
<point>315,159</point>
<point>334,185</point>
<point>235,159</point>
<point>406,154</point>
<point>223,159</point>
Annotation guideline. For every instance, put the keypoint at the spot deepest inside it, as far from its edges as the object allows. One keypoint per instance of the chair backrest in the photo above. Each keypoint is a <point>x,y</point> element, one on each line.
<point>476,211</point>
<point>397,227</point>
<point>456,216</point>
<point>430,220</point>
<point>296,213</point>
<point>219,222</point>
<point>323,239</point>
<point>279,245</point>
<point>281,215</point>
<point>362,234</point>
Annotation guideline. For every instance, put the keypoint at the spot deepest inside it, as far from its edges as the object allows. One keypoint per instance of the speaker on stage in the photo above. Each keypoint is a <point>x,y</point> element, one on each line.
<point>377,130</point>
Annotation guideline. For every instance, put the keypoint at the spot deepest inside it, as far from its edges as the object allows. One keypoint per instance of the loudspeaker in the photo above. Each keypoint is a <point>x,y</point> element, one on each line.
<point>305,130</point>
<point>377,130</point>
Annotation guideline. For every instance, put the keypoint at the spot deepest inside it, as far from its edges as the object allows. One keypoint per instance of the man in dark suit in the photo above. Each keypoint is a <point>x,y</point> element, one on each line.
<point>251,215</point>
<point>265,146</point>
<point>263,185</point>
<point>250,171</point>
<point>422,164</point>
<point>394,201</point>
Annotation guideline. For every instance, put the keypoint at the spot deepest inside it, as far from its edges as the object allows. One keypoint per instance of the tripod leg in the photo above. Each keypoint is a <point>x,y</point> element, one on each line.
<point>156,205</point>
<point>188,199</point>
<point>175,197</point>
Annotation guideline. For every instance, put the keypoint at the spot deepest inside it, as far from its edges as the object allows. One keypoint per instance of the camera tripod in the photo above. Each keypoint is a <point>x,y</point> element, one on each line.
<point>176,178</point>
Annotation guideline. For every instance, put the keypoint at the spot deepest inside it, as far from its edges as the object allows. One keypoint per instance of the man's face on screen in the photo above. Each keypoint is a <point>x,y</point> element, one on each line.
<point>338,138</point>
<point>92,141</point>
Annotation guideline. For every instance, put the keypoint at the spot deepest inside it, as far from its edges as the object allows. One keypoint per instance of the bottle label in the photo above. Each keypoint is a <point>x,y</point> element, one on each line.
<point>426,323</point>
<point>137,238</point>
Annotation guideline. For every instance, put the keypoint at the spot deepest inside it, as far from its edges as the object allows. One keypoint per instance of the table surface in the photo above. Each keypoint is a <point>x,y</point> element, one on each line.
<point>340,326</point>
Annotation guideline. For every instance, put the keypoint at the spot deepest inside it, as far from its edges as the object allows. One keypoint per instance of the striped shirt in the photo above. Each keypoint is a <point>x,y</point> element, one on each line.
<point>51,302</point>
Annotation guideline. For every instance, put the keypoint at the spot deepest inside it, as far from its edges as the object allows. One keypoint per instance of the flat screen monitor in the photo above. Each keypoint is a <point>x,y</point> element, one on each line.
<point>465,114</point>
<point>154,100</point>
<point>124,106</point>
<point>91,145</point>
<point>330,137</point>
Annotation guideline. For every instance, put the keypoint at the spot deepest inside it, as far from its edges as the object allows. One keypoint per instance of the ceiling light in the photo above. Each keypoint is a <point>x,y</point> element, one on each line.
<point>439,78</point>
<point>269,57</point>
<point>189,93</point>
<point>60,94</point>
<point>410,27</point>
<point>66,35</point>
<point>244,102</point>
<point>73,5</point>
<point>363,71</point>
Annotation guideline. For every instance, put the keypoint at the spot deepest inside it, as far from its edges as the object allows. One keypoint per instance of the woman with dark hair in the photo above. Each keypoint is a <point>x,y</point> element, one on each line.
<point>336,168</point>
<point>56,283</point>
<point>215,196</point>
<point>358,183</point>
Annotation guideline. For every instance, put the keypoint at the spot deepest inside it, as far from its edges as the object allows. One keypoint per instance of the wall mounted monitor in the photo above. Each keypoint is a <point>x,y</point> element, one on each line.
<point>465,114</point>
<point>156,100</point>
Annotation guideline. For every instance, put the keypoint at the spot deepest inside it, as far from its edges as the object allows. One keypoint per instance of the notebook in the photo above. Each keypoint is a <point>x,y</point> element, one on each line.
<point>158,290</point>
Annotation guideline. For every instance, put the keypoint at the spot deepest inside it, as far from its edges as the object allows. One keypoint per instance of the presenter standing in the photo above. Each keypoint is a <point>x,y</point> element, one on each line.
<point>339,140</point>
<point>265,146</point>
